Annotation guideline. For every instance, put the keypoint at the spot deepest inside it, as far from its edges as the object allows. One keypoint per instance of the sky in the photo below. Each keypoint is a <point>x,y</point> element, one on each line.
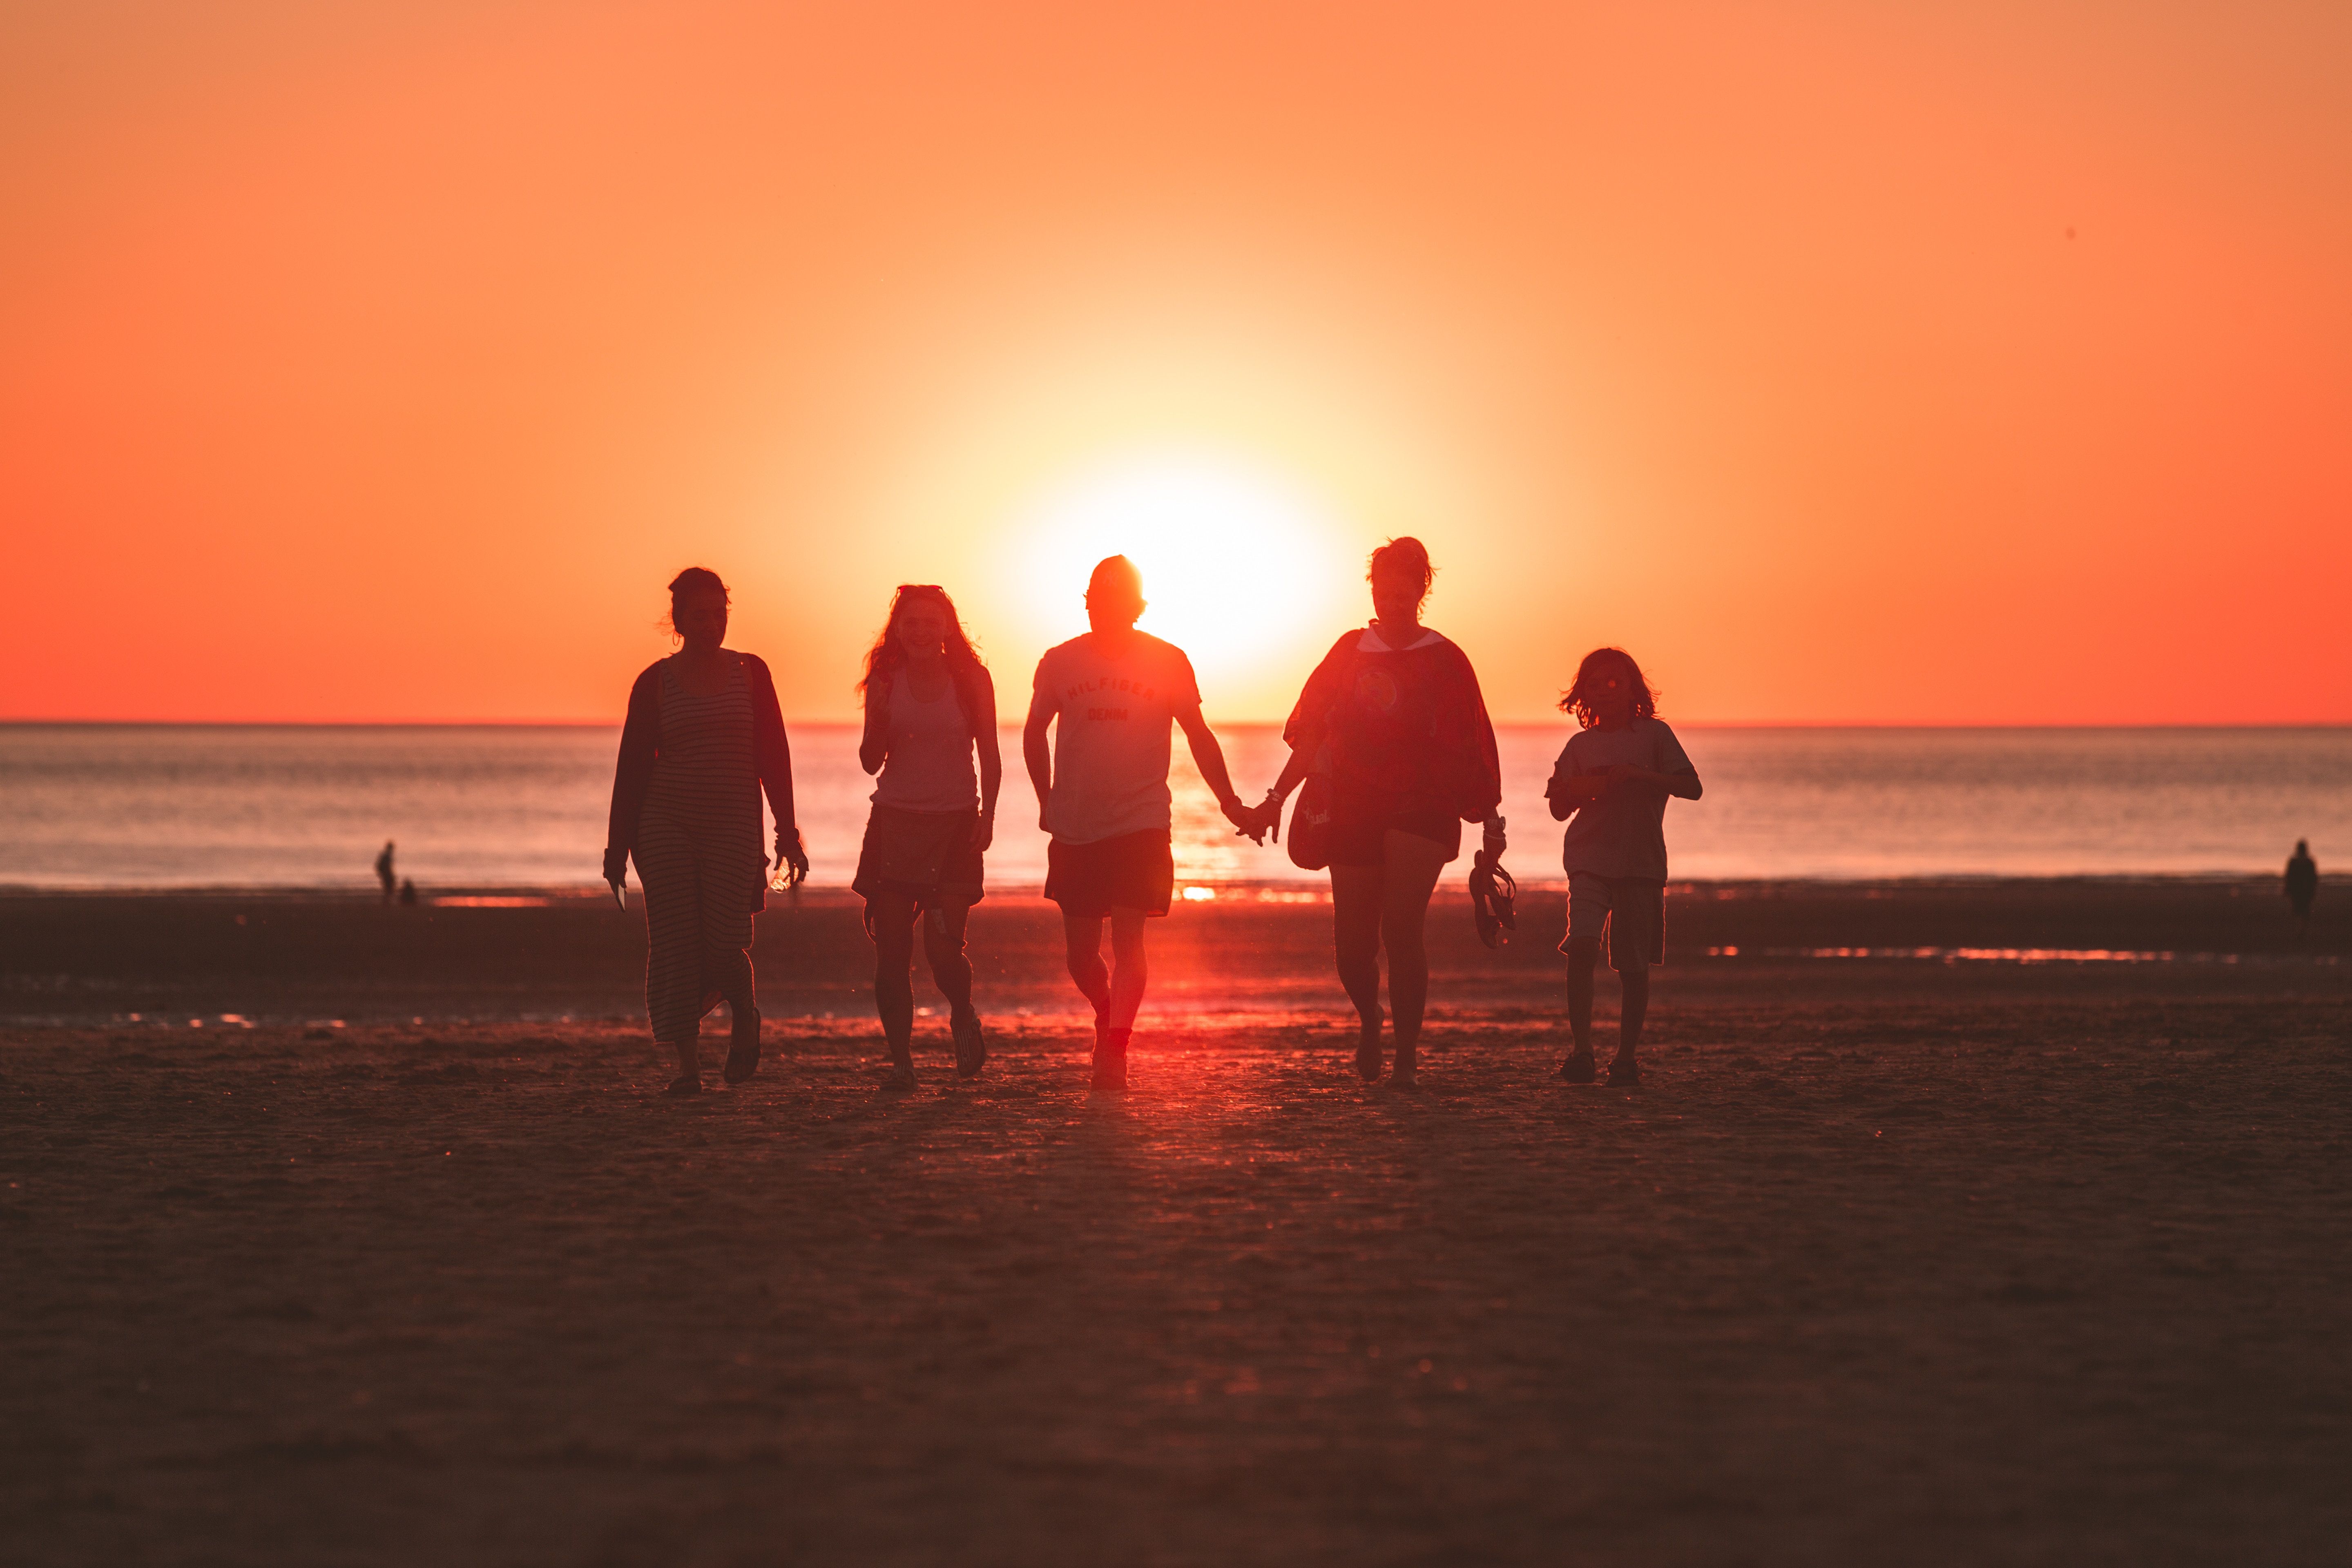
<point>1980,363</point>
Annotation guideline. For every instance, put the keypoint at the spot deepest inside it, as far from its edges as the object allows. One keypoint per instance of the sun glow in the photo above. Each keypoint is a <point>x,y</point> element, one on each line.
<point>1244,570</point>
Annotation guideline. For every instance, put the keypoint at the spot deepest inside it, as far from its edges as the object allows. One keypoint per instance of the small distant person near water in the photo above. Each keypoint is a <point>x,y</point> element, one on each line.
<point>383,872</point>
<point>2302,882</point>
<point>929,707</point>
<point>1611,787</point>
<point>1109,696</point>
<point>1395,719</point>
<point>705,734</point>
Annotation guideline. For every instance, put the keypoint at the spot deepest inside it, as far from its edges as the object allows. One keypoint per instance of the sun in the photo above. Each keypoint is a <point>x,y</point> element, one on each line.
<point>1243,567</point>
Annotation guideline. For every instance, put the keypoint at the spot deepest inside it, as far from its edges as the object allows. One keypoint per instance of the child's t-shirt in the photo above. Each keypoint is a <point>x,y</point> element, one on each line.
<point>1114,699</point>
<point>1622,834</point>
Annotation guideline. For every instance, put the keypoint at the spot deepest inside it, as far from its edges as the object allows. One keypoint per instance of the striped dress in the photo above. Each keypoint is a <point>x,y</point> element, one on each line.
<point>699,853</point>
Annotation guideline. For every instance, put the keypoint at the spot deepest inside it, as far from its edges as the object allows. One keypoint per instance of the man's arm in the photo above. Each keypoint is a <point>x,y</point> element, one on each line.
<point>1210,758</point>
<point>1037,754</point>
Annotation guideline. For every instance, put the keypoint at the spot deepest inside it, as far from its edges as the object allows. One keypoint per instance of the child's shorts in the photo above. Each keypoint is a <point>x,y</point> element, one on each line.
<point>1626,912</point>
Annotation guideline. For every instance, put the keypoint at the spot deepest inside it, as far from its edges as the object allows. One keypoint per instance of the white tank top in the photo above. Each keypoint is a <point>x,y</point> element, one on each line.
<point>929,768</point>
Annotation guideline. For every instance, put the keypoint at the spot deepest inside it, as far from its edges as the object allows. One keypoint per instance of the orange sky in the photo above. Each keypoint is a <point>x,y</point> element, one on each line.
<point>1977,363</point>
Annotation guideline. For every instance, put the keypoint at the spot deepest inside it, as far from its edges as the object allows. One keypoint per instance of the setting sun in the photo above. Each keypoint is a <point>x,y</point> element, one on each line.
<point>1243,569</point>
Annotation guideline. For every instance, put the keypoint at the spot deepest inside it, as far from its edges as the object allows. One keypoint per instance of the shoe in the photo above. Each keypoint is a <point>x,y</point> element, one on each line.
<point>970,1045</point>
<point>743,1046</point>
<point>1579,1069</point>
<point>1624,1072</point>
<point>1110,1059</point>
<point>1493,895</point>
<point>901,1079</point>
<point>686,1083</point>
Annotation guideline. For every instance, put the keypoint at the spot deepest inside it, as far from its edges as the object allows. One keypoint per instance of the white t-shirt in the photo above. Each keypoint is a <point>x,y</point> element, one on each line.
<point>1622,834</point>
<point>1114,699</point>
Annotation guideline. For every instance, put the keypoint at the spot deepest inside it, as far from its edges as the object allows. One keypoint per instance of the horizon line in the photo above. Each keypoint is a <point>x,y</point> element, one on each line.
<point>851,723</point>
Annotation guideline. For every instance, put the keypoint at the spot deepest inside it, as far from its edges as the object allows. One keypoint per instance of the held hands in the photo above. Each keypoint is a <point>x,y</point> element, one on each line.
<point>791,860</point>
<point>1248,822</point>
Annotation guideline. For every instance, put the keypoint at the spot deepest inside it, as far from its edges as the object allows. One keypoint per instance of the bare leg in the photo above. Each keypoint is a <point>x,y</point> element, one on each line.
<point>1636,1007</point>
<point>1406,881</point>
<point>891,918</point>
<point>943,948</point>
<point>1081,939</point>
<point>1130,972</point>
<point>1356,943</point>
<point>1583,952</point>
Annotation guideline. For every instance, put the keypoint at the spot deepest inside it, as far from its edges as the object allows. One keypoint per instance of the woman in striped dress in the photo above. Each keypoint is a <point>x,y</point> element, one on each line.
<point>704,735</point>
<point>929,707</point>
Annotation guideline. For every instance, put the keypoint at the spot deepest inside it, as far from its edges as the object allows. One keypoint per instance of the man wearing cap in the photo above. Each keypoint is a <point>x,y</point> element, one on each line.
<point>1102,794</point>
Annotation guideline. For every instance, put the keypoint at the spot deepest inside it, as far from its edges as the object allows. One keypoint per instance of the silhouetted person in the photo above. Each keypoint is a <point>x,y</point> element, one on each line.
<point>407,891</point>
<point>929,707</point>
<point>1393,717</point>
<point>383,872</point>
<point>1102,793</point>
<point>1396,720</point>
<point>1611,787</point>
<point>704,734</point>
<point>2302,882</point>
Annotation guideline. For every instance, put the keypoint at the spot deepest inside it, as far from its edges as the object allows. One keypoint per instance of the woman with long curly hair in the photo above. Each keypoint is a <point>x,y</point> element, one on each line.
<point>705,735</point>
<point>931,708</point>
<point>1395,719</point>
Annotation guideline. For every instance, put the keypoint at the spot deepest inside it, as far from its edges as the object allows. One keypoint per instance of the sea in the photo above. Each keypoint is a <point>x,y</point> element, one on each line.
<point>476,808</point>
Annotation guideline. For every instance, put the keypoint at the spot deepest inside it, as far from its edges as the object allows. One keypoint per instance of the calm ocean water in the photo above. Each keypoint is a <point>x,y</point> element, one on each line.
<point>88,806</point>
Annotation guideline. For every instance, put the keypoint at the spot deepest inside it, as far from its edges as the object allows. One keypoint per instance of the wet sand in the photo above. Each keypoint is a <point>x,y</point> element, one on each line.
<point>98,959</point>
<point>1949,1261</point>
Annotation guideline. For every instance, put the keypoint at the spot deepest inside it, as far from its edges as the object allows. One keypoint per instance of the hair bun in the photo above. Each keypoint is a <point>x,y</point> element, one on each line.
<point>1403,555</point>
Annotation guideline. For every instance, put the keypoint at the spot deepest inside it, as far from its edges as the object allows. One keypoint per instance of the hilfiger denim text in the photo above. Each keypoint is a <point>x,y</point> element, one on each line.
<point>1119,684</point>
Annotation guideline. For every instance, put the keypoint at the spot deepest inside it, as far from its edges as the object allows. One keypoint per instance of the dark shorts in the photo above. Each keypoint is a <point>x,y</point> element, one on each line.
<point>1627,914</point>
<point>1361,841</point>
<point>1132,871</point>
<point>927,855</point>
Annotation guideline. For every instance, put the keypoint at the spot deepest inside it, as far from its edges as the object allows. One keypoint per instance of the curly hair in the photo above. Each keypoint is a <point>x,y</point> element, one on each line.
<point>885,657</point>
<point>1578,698</point>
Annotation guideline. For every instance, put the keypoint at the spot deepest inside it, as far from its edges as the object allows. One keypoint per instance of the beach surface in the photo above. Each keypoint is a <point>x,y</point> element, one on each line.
<point>1945,1256</point>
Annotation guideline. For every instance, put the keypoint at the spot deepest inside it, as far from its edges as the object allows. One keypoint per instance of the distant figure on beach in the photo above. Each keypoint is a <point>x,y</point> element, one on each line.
<point>1393,723</point>
<point>929,707</point>
<point>383,872</point>
<point>2302,882</point>
<point>407,890</point>
<point>1102,794</point>
<point>704,735</point>
<point>1611,787</point>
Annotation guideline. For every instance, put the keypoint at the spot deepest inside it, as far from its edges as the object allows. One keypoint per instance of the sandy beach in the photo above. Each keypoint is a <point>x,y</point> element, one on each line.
<point>1943,1258</point>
